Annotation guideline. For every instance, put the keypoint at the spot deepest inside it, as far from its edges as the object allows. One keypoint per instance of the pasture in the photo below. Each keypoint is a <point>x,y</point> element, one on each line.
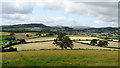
<point>38,56</point>
<point>44,43</point>
<point>61,58</point>
<point>19,35</point>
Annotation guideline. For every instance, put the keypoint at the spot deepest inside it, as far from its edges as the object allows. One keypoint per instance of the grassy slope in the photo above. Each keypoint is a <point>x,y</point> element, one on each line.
<point>61,58</point>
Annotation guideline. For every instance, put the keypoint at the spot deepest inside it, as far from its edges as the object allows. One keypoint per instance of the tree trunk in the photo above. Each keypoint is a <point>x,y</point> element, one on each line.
<point>65,47</point>
<point>62,48</point>
<point>71,48</point>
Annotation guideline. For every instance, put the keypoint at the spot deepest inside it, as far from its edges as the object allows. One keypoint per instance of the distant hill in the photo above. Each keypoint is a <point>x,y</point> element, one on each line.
<point>44,28</point>
<point>106,28</point>
<point>25,26</point>
<point>33,28</point>
<point>80,27</point>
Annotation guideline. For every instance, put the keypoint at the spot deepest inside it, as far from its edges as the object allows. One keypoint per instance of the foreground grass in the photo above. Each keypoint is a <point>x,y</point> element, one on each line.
<point>61,58</point>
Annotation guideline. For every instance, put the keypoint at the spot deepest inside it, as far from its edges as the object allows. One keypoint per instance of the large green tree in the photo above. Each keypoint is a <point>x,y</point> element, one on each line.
<point>103,43</point>
<point>63,41</point>
<point>93,42</point>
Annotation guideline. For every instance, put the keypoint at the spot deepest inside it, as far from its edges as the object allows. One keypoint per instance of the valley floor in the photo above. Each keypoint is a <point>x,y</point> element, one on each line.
<point>47,43</point>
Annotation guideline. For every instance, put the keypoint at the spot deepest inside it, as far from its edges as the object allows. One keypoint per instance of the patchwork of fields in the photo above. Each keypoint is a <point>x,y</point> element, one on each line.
<point>39,57</point>
<point>44,43</point>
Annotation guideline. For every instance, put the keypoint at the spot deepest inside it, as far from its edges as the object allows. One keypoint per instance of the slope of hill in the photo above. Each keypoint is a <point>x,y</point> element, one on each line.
<point>44,28</point>
<point>25,26</point>
<point>32,28</point>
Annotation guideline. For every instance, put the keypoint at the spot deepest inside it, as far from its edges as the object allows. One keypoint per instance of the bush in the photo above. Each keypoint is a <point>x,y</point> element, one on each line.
<point>63,41</point>
<point>93,42</point>
<point>22,41</point>
<point>12,34</point>
<point>9,50</point>
<point>18,41</point>
<point>118,40</point>
<point>27,35</point>
<point>51,34</point>
<point>7,37</point>
<point>103,43</point>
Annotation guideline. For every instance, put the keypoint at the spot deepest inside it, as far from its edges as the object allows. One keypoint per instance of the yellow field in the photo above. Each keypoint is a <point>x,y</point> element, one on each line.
<point>4,33</point>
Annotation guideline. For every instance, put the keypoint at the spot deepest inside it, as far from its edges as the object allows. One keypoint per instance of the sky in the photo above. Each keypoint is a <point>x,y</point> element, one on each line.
<point>91,13</point>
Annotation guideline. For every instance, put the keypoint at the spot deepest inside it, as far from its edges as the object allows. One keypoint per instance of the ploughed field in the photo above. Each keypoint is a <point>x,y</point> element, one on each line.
<point>61,58</point>
<point>47,43</point>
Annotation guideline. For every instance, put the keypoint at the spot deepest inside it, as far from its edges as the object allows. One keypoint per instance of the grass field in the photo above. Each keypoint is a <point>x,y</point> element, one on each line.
<point>61,58</point>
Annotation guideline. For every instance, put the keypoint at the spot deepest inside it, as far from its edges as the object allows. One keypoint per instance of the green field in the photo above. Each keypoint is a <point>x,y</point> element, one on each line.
<point>6,37</point>
<point>110,37</point>
<point>61,58</point>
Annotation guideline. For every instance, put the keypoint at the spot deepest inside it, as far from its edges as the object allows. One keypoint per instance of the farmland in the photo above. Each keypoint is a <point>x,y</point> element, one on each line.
<point>59,33</point>
<point>61,58</point>
<point>39,50</point>
<point>47,43</point>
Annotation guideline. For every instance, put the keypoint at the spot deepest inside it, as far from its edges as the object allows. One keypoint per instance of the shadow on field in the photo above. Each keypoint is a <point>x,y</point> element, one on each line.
<point>96,46</point>
<point>81,42</point>
<point>38,41</point>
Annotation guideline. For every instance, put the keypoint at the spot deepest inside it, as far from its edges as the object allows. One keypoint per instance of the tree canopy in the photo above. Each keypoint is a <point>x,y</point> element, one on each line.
<point>63,41</point>
<point>93,42</point>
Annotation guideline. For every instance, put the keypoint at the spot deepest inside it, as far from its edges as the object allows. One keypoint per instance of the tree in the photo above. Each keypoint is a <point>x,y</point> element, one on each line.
<point>63,41</point>
<point>51,34</point>
<point>93,42</point>
<point>100,43</point>
<point>12,34</point>
<point>22,41</point>
<point>119,40</point>
<point>103,43</point>
<point>27,35</point>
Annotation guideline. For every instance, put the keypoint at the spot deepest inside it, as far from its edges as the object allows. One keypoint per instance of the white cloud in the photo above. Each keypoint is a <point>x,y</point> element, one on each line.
<point>100,23</point>
<point>105,10</point>
<point>53,21</point>
<point>15,16</point>
<point>10,21</point>
<point>16,7</point>
<point>50,4</point>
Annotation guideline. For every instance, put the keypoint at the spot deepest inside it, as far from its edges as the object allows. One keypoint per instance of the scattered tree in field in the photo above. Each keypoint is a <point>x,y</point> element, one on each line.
<point>119,40</point>
<point>27,35</point>
<point>9,38</point>
<point>51,34</point>
<point>12,34</point>
<point>103,43</point>
<point>22,41</point>
<point>93,42</point>
<point>63,41</point>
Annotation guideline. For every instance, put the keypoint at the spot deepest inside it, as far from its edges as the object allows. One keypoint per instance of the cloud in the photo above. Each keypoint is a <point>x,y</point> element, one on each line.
<point>53,21</point>
<point>11,22</point>
<point>16,7</point>
<point>102,10</point>
<point>104,24</point>
<point>15,16</point>
<point>50,4</point>
<point>105,10</point>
